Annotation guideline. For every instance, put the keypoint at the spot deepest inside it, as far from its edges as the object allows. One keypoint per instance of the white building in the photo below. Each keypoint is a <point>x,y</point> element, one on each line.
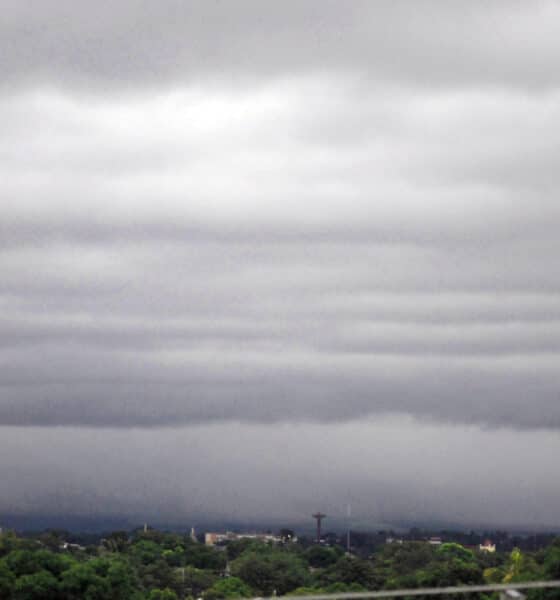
<point>488,546</point>
<point>435,541</point>
<point>211,539</point>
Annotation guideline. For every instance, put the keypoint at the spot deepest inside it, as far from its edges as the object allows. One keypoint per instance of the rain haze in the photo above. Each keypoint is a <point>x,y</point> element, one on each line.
<point>261,259</point>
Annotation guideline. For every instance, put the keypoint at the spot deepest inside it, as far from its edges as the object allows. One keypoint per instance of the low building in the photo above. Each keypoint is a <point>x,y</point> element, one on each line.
<point>435,541</point>
<point>487,546</point>
<point>69,546</point>
<point>212,538</point>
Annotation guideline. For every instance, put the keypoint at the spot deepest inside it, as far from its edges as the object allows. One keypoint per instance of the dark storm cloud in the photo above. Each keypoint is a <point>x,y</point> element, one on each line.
<point>392,471</point>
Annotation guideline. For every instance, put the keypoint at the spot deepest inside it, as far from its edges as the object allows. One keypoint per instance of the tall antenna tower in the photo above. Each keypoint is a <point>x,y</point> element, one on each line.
<point>318,516</point>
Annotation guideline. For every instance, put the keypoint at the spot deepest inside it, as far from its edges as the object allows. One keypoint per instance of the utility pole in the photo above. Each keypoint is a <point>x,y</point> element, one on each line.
<point>348,514</point>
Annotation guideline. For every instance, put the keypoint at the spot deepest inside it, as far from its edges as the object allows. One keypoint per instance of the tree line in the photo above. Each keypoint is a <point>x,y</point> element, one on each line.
<point>155,565</point>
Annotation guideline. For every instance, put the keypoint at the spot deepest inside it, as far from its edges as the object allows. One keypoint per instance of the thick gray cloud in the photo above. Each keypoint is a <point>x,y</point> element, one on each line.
<point>137,42</point>
<point>214,216</point>
<point>257,271</point>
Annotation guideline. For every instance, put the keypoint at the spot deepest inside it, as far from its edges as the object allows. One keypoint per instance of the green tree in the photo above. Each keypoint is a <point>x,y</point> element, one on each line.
<point>395,560</point>
<point>7,580</point>
<point>520,567</point>
<point>321,556</point>
<point>41,585</point>
<point>158,574</point>
<point>204,557</point>
<point>122,579</point>
<point>8,542</point>
<point>306,591</point>
<point>552,560</point>
<point>493,575</point>
<point>272,571</point>
<point>551,570</point>
<point>81,582</point>
<point>350,570</point>
<point>22,562</point>
<point>27,562</point>
<point>236,548</point>
<point>165,594</point>
<point>196,581</point>
<point>452,550</point>
<point>232,587</point>
<point>450,572</point>
<point>52,539</point>
<point>145,552</point>
<point>116,541</point>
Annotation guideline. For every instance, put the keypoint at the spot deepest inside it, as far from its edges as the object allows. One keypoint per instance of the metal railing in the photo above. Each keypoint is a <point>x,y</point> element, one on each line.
<point>510,590</point>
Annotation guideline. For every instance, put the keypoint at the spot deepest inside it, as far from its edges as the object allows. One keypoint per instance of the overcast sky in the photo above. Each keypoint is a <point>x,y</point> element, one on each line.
<point>259,259</point>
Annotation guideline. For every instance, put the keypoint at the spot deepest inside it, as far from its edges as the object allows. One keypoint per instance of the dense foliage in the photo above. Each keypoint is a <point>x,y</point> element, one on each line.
<point>154,565</point>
